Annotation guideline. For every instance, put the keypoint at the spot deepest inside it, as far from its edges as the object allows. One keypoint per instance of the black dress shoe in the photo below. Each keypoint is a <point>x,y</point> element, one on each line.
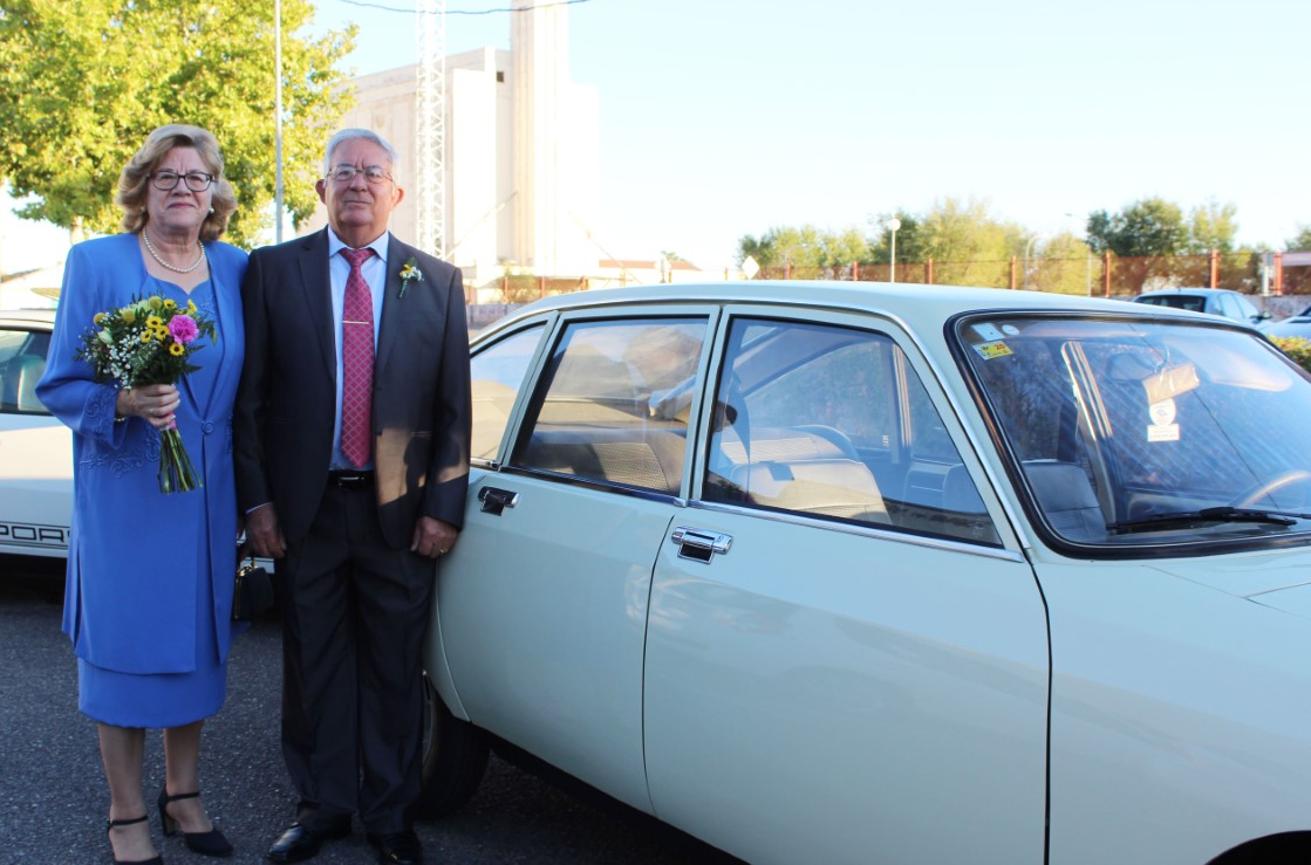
<point>211,843</point>
<point>301,841</point>
<point>397,848</point>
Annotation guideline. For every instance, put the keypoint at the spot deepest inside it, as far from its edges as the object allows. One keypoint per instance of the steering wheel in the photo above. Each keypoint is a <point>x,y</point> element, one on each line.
<point>1254,494</point>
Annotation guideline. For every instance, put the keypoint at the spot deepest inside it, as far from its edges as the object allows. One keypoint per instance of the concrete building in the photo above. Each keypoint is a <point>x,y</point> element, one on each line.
<point>522,153</point>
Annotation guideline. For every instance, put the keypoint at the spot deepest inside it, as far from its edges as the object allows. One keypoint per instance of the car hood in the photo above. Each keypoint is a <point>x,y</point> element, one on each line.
<point>1248,575</point>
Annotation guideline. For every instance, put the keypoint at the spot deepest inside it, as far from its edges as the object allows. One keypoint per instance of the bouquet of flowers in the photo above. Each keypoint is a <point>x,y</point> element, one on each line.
<point>150,341</point>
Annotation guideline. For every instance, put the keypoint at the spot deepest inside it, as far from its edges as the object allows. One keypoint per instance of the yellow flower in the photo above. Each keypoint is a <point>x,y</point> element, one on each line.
<point>99,318</point>
<point>147,336</point>
<point>170,303</point>
<point>155,303</point>
<point>154,320</point>
<point>191,307</point>
<point>176,349</point>
<point>161,335</point>
<point>128,314</point>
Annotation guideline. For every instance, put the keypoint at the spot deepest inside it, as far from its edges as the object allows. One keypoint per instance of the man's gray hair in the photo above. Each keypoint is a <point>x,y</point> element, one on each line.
<point>345,135</point>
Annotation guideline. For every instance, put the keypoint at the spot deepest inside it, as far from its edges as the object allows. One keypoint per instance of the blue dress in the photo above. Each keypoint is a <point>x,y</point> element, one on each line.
<point>148,595</point>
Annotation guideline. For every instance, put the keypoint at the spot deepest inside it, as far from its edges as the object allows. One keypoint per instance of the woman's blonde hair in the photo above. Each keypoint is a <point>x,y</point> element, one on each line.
<point>133,183</point>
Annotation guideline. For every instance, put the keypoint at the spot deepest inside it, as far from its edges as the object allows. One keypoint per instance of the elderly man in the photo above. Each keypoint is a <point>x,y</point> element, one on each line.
<point>352,452</point>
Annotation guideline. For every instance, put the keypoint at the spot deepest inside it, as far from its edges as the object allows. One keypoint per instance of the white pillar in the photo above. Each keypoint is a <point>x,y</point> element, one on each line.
<point>539,39</point>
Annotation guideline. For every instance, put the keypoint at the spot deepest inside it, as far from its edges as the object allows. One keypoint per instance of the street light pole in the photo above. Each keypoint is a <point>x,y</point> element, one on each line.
<point>277,121</point>
<point>892,225</point>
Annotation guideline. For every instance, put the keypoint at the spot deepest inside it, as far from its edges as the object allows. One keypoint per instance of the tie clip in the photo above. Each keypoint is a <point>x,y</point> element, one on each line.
<point>348,321</point>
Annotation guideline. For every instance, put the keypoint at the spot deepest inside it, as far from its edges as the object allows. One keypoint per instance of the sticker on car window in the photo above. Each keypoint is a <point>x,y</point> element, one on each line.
<point>993,350</point>
<point>1163,433</point>
<point>986,332</point>
<point>1163,428</point>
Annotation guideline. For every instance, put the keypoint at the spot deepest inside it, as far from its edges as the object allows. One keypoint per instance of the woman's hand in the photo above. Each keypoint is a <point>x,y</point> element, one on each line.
<point>156,403</point>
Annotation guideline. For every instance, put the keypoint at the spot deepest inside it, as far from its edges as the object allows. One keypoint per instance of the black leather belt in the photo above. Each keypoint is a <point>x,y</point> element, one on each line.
<point>350,480</point>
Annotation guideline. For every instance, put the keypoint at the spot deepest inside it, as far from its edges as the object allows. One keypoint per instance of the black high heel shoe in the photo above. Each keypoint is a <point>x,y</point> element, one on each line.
<point>111,825</point>
<point>211,843</point>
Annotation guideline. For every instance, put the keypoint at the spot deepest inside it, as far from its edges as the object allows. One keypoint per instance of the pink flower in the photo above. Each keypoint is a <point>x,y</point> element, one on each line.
<point>183,328</point>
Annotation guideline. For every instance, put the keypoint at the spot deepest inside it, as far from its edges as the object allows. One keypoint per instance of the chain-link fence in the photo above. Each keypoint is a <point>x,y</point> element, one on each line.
<point>1106,275</point>
<point>1094,275</point>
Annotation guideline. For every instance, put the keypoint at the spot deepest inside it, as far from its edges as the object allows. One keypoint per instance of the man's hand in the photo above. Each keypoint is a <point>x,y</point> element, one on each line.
<point>433,538</point>
<point>263,536</point>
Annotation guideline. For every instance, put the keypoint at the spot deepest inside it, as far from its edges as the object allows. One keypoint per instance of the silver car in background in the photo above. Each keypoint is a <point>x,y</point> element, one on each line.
<point>36,469</point>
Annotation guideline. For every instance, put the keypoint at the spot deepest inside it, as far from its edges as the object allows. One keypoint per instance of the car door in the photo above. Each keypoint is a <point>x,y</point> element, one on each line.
<point>543,604</point>
<point>36,471</point>
<point>847,654</point>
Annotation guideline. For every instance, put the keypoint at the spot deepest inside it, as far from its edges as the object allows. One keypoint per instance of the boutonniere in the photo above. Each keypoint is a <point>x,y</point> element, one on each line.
<point>409,273</point>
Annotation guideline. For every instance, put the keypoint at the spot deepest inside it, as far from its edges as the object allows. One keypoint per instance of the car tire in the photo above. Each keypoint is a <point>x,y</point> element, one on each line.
<point>454,757</point>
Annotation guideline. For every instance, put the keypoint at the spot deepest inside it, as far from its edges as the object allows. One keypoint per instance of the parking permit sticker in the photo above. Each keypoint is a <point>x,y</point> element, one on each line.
<point>1163,428</point>
<point>1163,433</point>
<point>986,332</point>
<point>993,350</point>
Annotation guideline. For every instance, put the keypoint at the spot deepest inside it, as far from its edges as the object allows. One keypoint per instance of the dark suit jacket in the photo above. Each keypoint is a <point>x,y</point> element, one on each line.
<point>284,414</point>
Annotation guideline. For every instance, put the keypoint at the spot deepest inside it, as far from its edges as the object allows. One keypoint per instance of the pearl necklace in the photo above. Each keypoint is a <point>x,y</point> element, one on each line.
<point>162,263</point>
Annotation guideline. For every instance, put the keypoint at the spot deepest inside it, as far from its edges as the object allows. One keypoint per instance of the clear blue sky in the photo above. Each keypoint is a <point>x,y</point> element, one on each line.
<point>726,117</point>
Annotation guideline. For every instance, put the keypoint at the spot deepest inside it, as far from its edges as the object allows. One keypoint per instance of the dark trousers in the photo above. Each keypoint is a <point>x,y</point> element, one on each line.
<point>355,617</point>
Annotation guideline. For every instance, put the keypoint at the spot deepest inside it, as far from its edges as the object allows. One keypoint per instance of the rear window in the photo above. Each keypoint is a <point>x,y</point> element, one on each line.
<point>1190,302</point>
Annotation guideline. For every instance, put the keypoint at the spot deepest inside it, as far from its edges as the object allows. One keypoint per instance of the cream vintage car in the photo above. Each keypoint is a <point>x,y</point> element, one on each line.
<point>36,453</point>
<point>828,573</point>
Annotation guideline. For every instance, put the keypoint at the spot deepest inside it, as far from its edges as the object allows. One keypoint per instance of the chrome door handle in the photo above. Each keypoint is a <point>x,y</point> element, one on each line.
<point>700,545</point>
<point>496,500</point>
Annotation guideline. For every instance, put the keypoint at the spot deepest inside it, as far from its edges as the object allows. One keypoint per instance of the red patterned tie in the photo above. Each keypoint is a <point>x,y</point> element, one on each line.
<point>357,362</point>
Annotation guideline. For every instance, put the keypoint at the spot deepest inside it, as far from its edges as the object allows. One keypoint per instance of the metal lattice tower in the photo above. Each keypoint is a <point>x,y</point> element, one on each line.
<point>430,128</point>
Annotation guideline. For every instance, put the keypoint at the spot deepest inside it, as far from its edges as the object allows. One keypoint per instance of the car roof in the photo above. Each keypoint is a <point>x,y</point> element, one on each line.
<point>27,316</point>
<point>923,307</point>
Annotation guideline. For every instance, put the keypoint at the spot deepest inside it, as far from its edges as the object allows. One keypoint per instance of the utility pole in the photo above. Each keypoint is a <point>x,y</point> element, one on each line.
<point>277,121</point>
<point>430,135</point>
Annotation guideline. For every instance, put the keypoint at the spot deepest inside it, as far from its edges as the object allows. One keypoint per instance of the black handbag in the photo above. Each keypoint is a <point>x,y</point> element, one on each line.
<point>253,593</point>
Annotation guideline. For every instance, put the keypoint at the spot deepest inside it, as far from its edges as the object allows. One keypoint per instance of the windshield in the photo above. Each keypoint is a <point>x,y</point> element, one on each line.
<point>1125,430</point>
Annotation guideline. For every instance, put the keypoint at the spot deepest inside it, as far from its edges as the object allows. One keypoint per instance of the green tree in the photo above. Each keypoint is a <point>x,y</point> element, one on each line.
<point>1063,266</point>
<point>910,247</point>
<point>82,82</point>
<point>760,248</point>
<point>806,249</point>
<point>841,248</point>
<point>1150,227</point>
<point>1212,226</point>
<point>968,245</point>
<point>1300,243</point>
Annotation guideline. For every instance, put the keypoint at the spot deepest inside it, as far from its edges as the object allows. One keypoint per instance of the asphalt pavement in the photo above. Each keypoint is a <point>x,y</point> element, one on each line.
<point>53,799</point>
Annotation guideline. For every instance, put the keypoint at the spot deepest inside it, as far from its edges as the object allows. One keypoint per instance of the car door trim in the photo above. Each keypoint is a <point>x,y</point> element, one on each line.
<point>901,535</point>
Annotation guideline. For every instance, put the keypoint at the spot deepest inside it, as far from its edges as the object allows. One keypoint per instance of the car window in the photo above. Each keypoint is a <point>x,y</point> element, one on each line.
<point>497,373</point>
<point>1115,424</point>
<point>613,402</point>
<point>1247,311</point>
<point>1229,308</point>
<point>22,361</point>
<point>832,422</point>
<point>1190,302</point>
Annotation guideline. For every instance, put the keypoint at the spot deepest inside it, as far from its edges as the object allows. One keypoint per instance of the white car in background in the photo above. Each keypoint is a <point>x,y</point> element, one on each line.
<point>889,574</point>
<point>36,456</point>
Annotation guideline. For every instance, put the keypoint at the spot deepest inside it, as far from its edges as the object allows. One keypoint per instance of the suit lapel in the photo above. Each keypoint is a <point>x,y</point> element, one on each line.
<point>392,314</point>
<point>318,296</point>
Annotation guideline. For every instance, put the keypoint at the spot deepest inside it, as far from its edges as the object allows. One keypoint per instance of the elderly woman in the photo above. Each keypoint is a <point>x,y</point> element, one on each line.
<point>150,576</point>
